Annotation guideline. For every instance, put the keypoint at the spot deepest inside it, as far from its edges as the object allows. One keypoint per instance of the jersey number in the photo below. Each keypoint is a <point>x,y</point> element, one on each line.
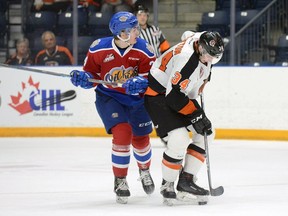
<point>177,76</point>
<point>165,60</point>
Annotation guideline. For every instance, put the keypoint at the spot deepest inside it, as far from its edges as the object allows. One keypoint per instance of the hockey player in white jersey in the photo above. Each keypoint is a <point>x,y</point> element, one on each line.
<point>176,80</point>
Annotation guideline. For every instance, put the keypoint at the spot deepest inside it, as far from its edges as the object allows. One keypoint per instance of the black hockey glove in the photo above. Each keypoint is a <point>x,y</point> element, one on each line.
<point>200,122</point>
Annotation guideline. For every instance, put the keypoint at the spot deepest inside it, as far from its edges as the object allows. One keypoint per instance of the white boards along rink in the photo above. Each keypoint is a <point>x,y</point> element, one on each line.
<point>238,100</point>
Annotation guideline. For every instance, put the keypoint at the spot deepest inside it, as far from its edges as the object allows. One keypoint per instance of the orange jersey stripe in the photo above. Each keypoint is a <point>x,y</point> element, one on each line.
<point>68,53</point>
<point>38,54</point>
<point>151,92</point>
<point>188,108</point>
<point>164,46</point>
<point>196,155</point>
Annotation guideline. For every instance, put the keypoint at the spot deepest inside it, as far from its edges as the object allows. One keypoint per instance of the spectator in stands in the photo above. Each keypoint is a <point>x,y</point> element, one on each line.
<point>151,33</point>
<point>51,5</point>
<point>91,5</point>
<point>52,54</point>
<point>22,55</point>
<point>114,6</point>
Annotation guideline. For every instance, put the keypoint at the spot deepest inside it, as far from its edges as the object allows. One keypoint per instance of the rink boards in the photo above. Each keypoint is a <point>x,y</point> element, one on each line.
<point>241,102</point>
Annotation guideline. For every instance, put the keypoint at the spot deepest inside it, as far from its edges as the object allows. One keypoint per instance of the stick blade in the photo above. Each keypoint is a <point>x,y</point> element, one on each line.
<point>217,191</point>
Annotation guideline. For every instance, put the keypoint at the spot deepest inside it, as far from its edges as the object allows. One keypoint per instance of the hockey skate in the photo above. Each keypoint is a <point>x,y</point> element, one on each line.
<point>147,181</point>
<point>189,192</point>
<point>168,193</point>
<point>121,189</point>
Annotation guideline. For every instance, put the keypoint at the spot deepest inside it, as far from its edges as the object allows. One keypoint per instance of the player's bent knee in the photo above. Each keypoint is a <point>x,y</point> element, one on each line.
<point>139,142</point>
<point>178,140</point>
<point>122,134</point>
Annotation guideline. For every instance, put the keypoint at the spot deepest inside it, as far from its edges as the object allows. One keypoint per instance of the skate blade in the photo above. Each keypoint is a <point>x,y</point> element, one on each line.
<point>169,201</point>
<point>191,199</point>
<point>121,200</point>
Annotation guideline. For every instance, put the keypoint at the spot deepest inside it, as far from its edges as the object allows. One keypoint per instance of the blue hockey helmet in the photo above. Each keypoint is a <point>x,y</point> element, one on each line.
<point>122,21</point>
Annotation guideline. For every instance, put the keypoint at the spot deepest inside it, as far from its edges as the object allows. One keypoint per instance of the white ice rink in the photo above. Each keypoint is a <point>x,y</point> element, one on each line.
<point>73,177</point>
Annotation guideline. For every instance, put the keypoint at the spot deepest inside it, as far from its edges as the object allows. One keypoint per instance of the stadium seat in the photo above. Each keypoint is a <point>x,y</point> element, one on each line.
<point>225,5</point>
<point>215,21</point>
<point>41,21</point>
<point>98,24</point>
<point>3,6</point>
<point>3,29</point>
<point>251,36</point>
<point>243,17</point>
<point>35,45</point>
<point>283,41</point>
<point>259,4</point>
<point>84,43</point>
<point>282,49</point>
<point>65,23</point>
<point>3,22</point>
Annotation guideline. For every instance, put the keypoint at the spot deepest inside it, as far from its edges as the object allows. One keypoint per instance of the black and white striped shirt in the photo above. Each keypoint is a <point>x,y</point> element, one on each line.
<point>154,37</point>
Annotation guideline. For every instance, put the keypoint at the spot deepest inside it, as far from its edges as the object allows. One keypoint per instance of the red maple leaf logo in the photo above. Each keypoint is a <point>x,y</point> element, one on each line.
<point>21,101</point>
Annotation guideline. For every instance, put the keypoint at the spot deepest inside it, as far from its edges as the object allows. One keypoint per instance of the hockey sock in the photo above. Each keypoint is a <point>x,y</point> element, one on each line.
<point>122,135</point>
<point>194,159</point>
<point>142,151</point>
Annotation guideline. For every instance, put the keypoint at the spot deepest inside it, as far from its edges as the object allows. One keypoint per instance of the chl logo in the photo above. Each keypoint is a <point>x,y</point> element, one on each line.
<point>32,98</point>
<point>48,100</point>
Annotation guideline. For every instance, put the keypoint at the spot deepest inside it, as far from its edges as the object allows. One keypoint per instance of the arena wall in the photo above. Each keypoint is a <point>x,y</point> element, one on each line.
<point>241,102</point>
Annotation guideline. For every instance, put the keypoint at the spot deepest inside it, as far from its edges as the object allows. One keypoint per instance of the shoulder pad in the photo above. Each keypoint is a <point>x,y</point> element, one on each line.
<point>101,44</point>
<point>144,46</point>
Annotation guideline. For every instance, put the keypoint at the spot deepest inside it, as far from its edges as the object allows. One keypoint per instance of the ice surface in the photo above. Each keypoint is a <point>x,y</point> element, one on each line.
<point>73,177</point>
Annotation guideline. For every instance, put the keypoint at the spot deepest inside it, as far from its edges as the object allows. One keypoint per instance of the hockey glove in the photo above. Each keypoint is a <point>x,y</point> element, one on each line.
<point>80,78</point>
<point>200,122</point>
<point>135,85</point>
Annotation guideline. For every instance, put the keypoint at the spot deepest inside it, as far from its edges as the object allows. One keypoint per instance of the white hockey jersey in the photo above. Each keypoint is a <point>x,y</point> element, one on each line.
<point>179,74</point>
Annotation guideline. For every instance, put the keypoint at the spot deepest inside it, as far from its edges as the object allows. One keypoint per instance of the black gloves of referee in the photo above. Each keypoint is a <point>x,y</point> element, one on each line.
<point>200,122</point>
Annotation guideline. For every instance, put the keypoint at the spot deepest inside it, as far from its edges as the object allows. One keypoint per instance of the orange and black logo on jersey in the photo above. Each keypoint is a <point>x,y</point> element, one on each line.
<point>120,74</point>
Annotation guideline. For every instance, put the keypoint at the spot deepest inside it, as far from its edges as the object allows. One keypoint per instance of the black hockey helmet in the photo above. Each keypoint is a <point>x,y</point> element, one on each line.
<point>212,42</point>
<point>141,9</point>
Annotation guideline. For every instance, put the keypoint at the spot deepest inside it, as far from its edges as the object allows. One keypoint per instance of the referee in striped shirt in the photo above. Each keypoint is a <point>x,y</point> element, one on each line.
<point>151,33</point>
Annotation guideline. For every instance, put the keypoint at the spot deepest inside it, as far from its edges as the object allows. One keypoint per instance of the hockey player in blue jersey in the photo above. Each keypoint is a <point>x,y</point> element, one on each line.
<point>127,59</point>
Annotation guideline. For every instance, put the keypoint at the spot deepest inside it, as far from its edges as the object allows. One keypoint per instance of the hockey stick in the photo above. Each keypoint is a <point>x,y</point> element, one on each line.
<point>59,74</point>
<point>213,191</point>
